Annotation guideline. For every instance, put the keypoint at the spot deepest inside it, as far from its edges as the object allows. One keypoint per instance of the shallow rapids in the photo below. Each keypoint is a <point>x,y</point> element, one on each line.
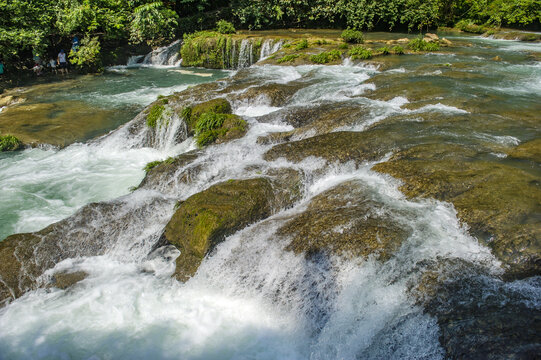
<point>251,298</point>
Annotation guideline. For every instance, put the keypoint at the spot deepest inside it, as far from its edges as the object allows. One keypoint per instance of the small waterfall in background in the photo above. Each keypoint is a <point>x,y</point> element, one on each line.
<point>246,57</point>
<point>167,55</point>
<point>135,60</point>
<point>269,47</point>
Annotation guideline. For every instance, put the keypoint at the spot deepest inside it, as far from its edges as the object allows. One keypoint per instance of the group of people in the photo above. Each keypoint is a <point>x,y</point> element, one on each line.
<point>58,65</point>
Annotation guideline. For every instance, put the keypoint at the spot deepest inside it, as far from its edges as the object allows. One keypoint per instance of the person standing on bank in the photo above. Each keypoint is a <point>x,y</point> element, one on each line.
<point>62,64</point>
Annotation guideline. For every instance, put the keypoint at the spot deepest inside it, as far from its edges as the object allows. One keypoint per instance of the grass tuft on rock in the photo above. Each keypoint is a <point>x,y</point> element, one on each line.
<point>419,44</point>
<point>326,57</point>
<point>359,52</point>
<point>9,143</point>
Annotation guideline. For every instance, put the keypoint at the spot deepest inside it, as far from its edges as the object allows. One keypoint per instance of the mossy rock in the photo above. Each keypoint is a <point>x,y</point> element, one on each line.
<point>336,146</point>
<point>530,150</point>
<point>65,279</point>
<point>162,176</point>
<point>206,218</point>
<point>218,106</point>
<point>500,203</point>
<point>345,221</point>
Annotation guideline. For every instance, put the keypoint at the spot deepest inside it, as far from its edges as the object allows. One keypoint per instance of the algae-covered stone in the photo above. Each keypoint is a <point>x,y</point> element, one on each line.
<point>337,146</point>
<point>500,203</point>
<point>206,218</point>
<point>530,150</point>
<point>66,279</point>
<point>345,220</point>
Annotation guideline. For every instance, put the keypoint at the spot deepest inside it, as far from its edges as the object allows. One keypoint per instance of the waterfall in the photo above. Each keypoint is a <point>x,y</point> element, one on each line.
<point>166,55</point>
<point>245,54</point>
<point>269,47</point>
<point>135,60</point>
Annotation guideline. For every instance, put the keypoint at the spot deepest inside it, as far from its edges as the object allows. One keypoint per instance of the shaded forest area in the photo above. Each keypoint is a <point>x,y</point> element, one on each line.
<point>30,28</point>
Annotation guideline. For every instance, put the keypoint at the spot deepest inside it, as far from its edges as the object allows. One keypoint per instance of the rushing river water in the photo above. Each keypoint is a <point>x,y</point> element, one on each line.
<point>251,299</point>
<point>41,186</point>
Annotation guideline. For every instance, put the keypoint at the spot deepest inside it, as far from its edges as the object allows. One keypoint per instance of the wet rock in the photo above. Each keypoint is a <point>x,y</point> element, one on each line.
<point>337,146</point>
<point>92,231</point>
<point>169,172</point>
<point>530,150</point>
<point>206,218</point>
<point>485,318</point>
<point>347,221</point>
<point>66,279</point>
<point>274,94</point>
<point>500,203</point>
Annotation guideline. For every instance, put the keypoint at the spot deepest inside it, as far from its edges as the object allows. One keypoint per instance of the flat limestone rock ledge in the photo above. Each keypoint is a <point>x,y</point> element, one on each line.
<point>206,218</point>
<point>346,221</point>
<point>500,203</point>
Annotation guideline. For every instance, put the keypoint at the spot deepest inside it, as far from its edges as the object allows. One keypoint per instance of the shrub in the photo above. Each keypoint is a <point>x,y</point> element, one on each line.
<point>303,44</point>
<point>359,52</point>
<point>470,26</point>
<point>353,36</point>
<point>326,57</point>
<point>343,46</point>
<point>225,27</point>
<point>398,50</point>
<point>87,55</point>
<point>9,143</point>
<point>384,50</point>
<point>419,44</point>
<point>287,58</point>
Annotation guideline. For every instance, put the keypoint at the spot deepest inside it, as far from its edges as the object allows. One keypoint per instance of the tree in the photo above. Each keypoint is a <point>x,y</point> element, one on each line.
<point>153,23</point>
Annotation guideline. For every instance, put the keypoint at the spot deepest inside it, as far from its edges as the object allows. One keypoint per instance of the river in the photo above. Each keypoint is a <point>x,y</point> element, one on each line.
<point>251,298</point>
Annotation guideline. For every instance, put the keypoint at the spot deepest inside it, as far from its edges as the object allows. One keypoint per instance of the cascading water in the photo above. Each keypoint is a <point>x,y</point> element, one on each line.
<point>246,56</point>
<point>251,298</point>
<point>166,56</point>
<point>269,47</point>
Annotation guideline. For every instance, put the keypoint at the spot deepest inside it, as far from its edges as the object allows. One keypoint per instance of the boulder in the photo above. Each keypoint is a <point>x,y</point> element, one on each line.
<point>345,221</point>
<point>204,220</point>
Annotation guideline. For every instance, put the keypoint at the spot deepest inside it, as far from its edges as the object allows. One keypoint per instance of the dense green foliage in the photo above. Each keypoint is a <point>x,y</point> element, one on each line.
<point>87,55</point>
<point>287,58</point>
<point>225,27</point>
<point>303,44</point>
<point>352,36</point>
<point>41,27</point>
<point>9,143</point>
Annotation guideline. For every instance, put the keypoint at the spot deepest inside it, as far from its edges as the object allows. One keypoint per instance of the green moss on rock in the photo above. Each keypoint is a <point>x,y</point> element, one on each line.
<point>206,218</point>
<point>500,203</point>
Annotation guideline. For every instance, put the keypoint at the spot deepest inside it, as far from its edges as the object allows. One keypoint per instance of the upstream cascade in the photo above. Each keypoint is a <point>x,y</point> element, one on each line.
<point>367,226</point>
